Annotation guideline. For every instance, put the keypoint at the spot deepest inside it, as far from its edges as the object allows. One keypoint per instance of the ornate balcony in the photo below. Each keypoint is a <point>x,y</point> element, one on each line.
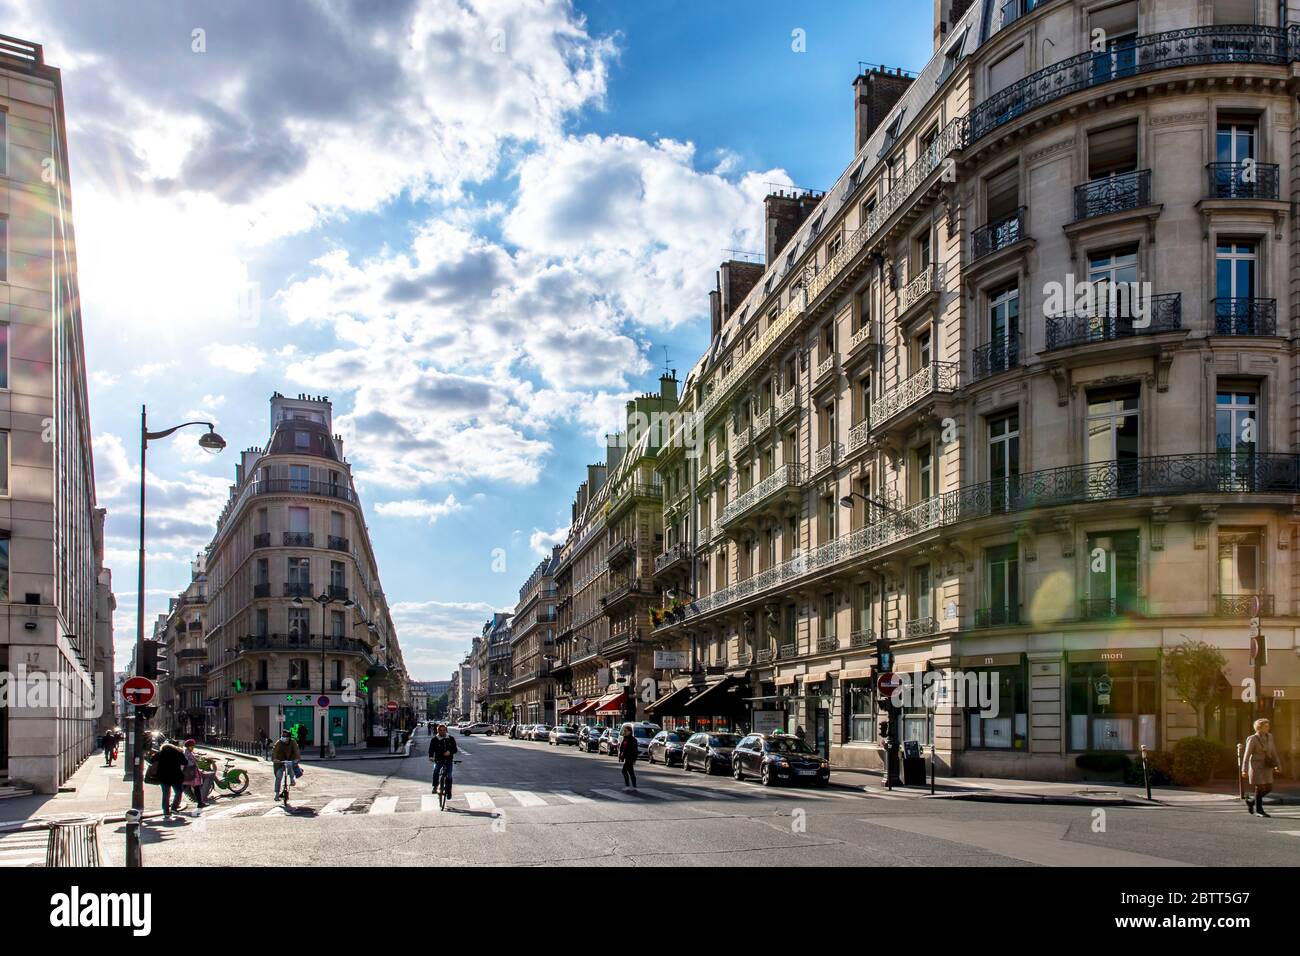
<point>631,492</point>
<point>674,557</point>
<point>921,627</point>
<point>1108,323</point>
<point>777,488</point>
<point>298,539</point>
<point>262,590</point>
<point>1108,608</point>
<point>923,284</point>
<point>1157,51</point>
<point>862,638</point>
<point>827,644</point>
<point>859,338</point>
<point>826,367</point>
<point>623,592</point>
<point>786,402</point>
<point>739,441</point>
<point>998,616</point>
<point>262,540</point>
<point>1243,180</point>
<point>762,421</point>
<point>1118,193</point>
<point>859,435</point>
<point>620,550</point>
<point>787,651</point>
<point>998,235</point>
<point>299,589</point>
<point>826,456</point>
<point>934,378</point>
<point>1242,605</point>
<point>335,543</point>
<point>995,358</point>
<point>1245,316</point>
<point>338,591</point>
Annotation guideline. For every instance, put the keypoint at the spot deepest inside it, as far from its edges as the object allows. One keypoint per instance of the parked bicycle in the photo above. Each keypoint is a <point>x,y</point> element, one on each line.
<point>229,777</point>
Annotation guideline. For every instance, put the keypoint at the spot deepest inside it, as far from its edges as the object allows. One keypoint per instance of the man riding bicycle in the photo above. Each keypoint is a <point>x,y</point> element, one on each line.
<point>284,756</point>
<point>442,749</point>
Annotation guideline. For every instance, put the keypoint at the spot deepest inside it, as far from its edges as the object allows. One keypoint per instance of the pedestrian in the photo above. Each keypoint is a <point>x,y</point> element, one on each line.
<point>800,732</point>
<point>627,753</point>
<point>284,757</point>
<point>193,775</point>
<point>169,764</point>
<point>109,742</point>
<point>1258,762</point>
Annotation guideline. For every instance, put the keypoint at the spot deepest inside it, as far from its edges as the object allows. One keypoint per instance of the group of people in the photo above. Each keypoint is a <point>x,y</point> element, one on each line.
<point>176,770</point>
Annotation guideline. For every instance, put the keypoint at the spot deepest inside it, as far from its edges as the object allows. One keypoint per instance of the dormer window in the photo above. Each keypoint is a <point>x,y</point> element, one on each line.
<point>302,440</point>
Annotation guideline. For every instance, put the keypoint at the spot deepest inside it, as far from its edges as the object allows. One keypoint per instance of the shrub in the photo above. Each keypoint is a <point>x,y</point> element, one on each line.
<point>1160,769</point>
<point>1103,762</point>
<point>1197,759</point>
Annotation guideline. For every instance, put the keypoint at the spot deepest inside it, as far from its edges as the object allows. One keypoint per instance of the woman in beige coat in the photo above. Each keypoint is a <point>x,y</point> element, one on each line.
<point>1258,761</point>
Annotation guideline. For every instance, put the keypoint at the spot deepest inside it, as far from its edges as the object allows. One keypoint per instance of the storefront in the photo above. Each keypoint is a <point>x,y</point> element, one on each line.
<point>669,710</point>
<point>1230,718</point>
<point>1113,700</point>
<point>994,697</point>
<point>720,707</point>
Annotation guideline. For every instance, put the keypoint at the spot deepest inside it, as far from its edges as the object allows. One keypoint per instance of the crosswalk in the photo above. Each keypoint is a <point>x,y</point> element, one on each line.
<point>23,848</point>
<point>494,800</point>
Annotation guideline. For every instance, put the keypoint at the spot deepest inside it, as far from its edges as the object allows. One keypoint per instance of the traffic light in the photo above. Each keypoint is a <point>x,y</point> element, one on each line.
<point>1259,650</point>
<point>884,656</point>
<point>238,685</point>
<point>147,666</point>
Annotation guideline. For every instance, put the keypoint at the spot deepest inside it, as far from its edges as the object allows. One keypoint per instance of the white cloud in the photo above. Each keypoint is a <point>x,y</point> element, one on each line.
<point>542,541</point>
<point>245,359</point>
<point>429,510</point>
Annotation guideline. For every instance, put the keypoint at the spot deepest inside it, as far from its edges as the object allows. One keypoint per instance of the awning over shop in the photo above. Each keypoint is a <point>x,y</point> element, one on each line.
<point>587,706</point>
<point>726,698</point>
<point>612,703</point>
<point>784,679</point>
<point>1279,678</point>
<point>672,703</point>
<point>575,709</point>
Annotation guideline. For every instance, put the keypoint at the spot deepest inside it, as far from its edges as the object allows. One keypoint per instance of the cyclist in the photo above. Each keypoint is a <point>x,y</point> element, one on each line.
<point>284,756</point>
<point>442,749</point>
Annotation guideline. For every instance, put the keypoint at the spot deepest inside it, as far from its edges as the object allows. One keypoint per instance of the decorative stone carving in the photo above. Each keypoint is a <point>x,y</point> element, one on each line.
<point>1204,518</point>
<point>1062,379</point>
<point>1063,525</point>
<point>1159,518</point>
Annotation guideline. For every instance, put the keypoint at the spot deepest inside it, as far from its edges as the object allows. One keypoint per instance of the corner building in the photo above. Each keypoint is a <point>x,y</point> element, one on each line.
<point>1052,491</point>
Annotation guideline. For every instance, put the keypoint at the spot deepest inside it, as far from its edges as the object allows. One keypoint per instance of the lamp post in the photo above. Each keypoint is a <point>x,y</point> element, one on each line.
<point>324,599</point>
<point>847,502</point>
<point>212,442</point>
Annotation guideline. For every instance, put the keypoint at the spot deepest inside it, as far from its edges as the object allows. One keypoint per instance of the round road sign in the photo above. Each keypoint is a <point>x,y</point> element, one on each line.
<point>322,701</point>
<point>888,682</point>
<point>139,691</point>
<point>392,706</point>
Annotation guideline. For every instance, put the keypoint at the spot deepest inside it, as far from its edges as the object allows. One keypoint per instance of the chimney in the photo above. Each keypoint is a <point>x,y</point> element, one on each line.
<point>784,213</point>
<point>875,93</point>
<point>715,307</point>
<point>668,386</point>
<point>737,278</point>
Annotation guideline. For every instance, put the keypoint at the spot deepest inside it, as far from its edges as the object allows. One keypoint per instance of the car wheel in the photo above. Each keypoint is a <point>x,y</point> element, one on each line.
<point>736,771</point>
<point>765,776</point>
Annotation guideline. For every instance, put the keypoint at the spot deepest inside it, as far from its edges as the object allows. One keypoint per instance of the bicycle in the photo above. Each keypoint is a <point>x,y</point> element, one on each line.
<point>228,778</point>
<point>440,784</point>
<point>287,782</point>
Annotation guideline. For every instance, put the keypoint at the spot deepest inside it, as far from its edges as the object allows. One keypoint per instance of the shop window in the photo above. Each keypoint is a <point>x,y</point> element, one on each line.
<point>861,712</point>
<point>1009,728</point>
<point>1114,705</point>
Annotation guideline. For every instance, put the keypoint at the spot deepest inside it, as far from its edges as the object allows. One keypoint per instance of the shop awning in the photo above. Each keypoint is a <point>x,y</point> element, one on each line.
<point>726,698</point>
<point>672,703</point>
<point>587,706</point>
<point>612,703</point>
<point>1279,678</point>
<point>575,709</point>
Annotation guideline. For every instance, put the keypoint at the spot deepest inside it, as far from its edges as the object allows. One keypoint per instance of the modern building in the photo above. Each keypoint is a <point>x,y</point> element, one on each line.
<point>1015,393</point>
<point>53,586</point>
<point>295,608</point>
<point>533,645</point>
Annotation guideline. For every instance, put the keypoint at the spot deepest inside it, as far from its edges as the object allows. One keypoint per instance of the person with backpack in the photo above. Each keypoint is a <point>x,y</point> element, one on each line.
<point>442,752</point>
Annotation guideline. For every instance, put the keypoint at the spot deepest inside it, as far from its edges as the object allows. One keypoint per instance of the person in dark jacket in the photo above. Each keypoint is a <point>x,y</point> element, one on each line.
<point>627,754</point>
<point>170,764</point>
<point>109,742</point>
<point>442,751</point>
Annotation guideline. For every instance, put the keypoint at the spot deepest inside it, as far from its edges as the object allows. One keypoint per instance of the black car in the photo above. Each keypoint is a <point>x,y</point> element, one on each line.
<point>709,752</point>
<point>667,746</point>
<point>779,757</point>
<point>589,737</point>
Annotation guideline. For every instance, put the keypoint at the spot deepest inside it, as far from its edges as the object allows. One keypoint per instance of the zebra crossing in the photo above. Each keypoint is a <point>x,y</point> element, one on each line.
<point>502,799</point>
<point>23,848</point>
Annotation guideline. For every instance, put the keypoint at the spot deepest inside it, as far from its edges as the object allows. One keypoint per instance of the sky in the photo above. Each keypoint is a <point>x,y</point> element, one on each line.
<point>474,225</point>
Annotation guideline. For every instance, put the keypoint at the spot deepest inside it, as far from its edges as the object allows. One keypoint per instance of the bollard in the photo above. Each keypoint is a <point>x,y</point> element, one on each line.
<point>73,842</point>
<point>1241,777</point>
<point>931,769</point>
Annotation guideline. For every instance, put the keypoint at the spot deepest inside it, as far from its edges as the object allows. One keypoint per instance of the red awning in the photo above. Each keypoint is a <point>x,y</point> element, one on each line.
<point>612,703</point>
<point>575,709</point>
<point>588,706</point>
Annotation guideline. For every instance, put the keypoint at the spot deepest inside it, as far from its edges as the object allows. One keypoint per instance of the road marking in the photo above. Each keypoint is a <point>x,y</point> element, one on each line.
<point>234,811</point>
<point>276,812</point>
<point>478,800</point>
<point>1295,833</point>
<point>337,806</point>
<point>383,805</point>
<point>527,799</point>
<point>615,795</point>
<point>706,793</point>
<point>571,797</point>
<point>658,794</point>
<point>428,802</point>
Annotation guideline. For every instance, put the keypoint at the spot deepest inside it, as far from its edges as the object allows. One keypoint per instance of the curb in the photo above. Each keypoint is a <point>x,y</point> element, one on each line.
<point>1041,798</point>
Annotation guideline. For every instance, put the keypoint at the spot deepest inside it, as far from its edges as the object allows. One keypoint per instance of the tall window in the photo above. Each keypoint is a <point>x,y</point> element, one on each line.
<point>336,623</point>
<point>337,578</point>
<point>1234,140</point>
<point>1107,271</point>
<point>298,674</point>
<point>4,567</point>
<point>826,627</point>
<point>299,520</point>
<point>1112,574</point>
<point>1004,320</point>
<point>862,608</point>
<point>1239,561</point>
<point>1113,705</point>
<point>299,571</point>
<point>263,571</point>
<point>922,347</point>
<point>336,524</point>
<point>299,623</point>
<point>1002,579</point>
<point>1004,458</point>
<point>860,706</point>
<point>1113,447</point>
<point>4,463</point>
<point>1235,287</point>
<point>299,478</point>
<point>922,610</point>
<point>1236,436</point>
<point>262,622</point>
<point>301,440</point>
<point>4,354</point>
<point>263,521</point>
<point>1119,58</point>
<point>924,473</point>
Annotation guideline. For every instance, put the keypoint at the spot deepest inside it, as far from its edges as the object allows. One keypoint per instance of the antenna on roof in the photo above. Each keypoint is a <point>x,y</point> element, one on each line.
<point>667,365</point>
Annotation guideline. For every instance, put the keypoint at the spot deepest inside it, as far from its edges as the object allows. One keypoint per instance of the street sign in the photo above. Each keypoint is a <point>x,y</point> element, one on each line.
<point>392,706</point>
<point>672,660</point>
<point>139,691</point>
<point>888,682</point>
<point>322,701</point>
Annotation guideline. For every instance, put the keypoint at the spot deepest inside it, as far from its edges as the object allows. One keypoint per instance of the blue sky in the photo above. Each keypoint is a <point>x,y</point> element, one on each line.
<point>474,225</point>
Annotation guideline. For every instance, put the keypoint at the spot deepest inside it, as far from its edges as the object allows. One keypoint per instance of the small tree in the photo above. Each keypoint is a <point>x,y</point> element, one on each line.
<point>1194,669</point>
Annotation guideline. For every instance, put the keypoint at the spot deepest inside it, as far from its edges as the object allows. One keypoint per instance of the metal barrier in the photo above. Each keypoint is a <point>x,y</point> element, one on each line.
<point>74,842</point>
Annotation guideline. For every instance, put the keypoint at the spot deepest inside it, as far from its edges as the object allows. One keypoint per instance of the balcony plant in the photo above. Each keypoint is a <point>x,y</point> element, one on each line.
<point>657,616</point>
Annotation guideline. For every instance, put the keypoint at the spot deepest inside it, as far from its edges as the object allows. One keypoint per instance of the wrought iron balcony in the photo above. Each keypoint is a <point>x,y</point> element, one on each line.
<point>675,555</point>
<point>1245,316</point>
<point>763,657</point>
<point>826,456</point>
<point>296,486</point>
<point>921,627</point>
<point>827,643</point>
<point>1112,194</point>
<point>826,366</point>
<point>624,591</point>
<point>787,402</point>
<point>762,421</point>
<point>262,590</point>
<point>1101,609</point>
<point>740,440</point>
<point>298,539</point>
<point>862,638</point>
<point>336,543</point>
<point>339,591</point>
<point>306,644</point>
<point>620,550</point>
<point>1243,180</point>
<point>787,651</point>
<point>191,653</point>
<point>1242,605</point>
<point>1106,323</point>
<point>999,356</point>
<point>860,337</point>
<point>300,589</point>
<point>1004,615</point>
<point>922,284</point>
<point>789,476</point>
<point>262,540</point>
<point>933,378</point>
<point>1147,54</point>
<point>999,234</point>
<point>859,435</point>
<point>631,491</point>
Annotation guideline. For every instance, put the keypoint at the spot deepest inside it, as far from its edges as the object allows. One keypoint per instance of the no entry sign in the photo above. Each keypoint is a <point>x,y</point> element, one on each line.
<point>888,682</point>
<point>139,691</point>
<point>392,706</point>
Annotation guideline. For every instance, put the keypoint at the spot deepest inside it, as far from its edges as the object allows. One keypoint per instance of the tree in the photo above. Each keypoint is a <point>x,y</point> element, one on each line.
<point>1195,669</point>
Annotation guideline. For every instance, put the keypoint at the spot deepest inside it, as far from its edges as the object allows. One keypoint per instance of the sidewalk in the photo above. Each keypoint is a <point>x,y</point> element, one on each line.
<point>1086,792</point>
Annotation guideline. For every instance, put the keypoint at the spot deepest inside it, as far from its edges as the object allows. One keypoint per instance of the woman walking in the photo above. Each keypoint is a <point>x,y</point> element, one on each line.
<point>193,775</point>
<point>627,753</point>
<point>169,762</point>
<point>1258,762</point>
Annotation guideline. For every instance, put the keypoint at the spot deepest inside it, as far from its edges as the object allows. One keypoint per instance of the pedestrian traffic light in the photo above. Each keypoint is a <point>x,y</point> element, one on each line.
<point>147,666</point>
<point>1259,650</point>
<point>884,656</point>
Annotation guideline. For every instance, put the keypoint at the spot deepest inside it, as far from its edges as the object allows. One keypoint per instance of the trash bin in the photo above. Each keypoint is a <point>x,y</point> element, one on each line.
<point>914,772</point>
<point>73,842</point>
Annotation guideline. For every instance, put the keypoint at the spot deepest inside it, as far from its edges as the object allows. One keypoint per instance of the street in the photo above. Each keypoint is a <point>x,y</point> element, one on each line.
<point>519,803</point>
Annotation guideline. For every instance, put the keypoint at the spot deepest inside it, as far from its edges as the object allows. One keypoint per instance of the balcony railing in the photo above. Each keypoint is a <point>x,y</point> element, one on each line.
<point>1243,180</point>
<point>826,366</point>
<point>827,455</point>
<point>1157,51</point>
<point>935,377</point>
<point>306,644</point>
<point>262,590</point>
<point>339,591</point>
<point>787,651</point>
<point>675,553</point>
<point>860,337</point>
<point>1164,475</point>
<point>786,402</point>
<point>921,285</point>
<point>921,627</point>
<point>1164,313</point>
<point>859,434</point>
<point>862,638</point>
<point>300,589</point>
<point>762,421</point>
<point>1101,609</point>
<point>336,543</point>
<point>789,475</point>
<point>827,643</point>
<point>997,235</point>
<point>1112,194</point>
<point>298,539</point>
<point>262,540</point>
<point>1242,605</point>
<point>998,616</point>
<point>1245,316</point>
<point>740,440</point>
<point>998,356</point>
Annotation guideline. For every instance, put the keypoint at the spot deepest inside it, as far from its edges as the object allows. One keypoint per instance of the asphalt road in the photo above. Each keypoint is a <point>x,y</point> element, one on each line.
<point>519,803</point>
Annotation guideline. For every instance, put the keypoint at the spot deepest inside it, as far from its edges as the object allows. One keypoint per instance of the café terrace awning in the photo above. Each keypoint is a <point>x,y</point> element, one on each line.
<point>612,703</point>
<point>575,709</point>
<point>672,704</point>
<point>726,698</point>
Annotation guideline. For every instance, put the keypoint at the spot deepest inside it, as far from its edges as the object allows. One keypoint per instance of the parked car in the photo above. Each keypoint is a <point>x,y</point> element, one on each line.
<point>608,743</point>
<point>562,734</point>
<point>468,730</point>
<point>540,732</point>
<point>589,737</point>
<point>709,751</point>
<point>667,746</point>
<point>644,732</point>
<point>774,758</point>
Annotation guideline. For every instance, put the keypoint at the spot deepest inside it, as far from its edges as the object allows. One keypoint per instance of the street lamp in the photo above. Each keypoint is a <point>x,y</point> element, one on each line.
<point>323,599</point>
<point>847,502</point>
<point>210,442</point>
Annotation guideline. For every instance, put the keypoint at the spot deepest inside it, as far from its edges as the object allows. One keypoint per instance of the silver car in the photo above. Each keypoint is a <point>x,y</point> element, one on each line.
<point>540,732</point>
<point>563,734</point>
